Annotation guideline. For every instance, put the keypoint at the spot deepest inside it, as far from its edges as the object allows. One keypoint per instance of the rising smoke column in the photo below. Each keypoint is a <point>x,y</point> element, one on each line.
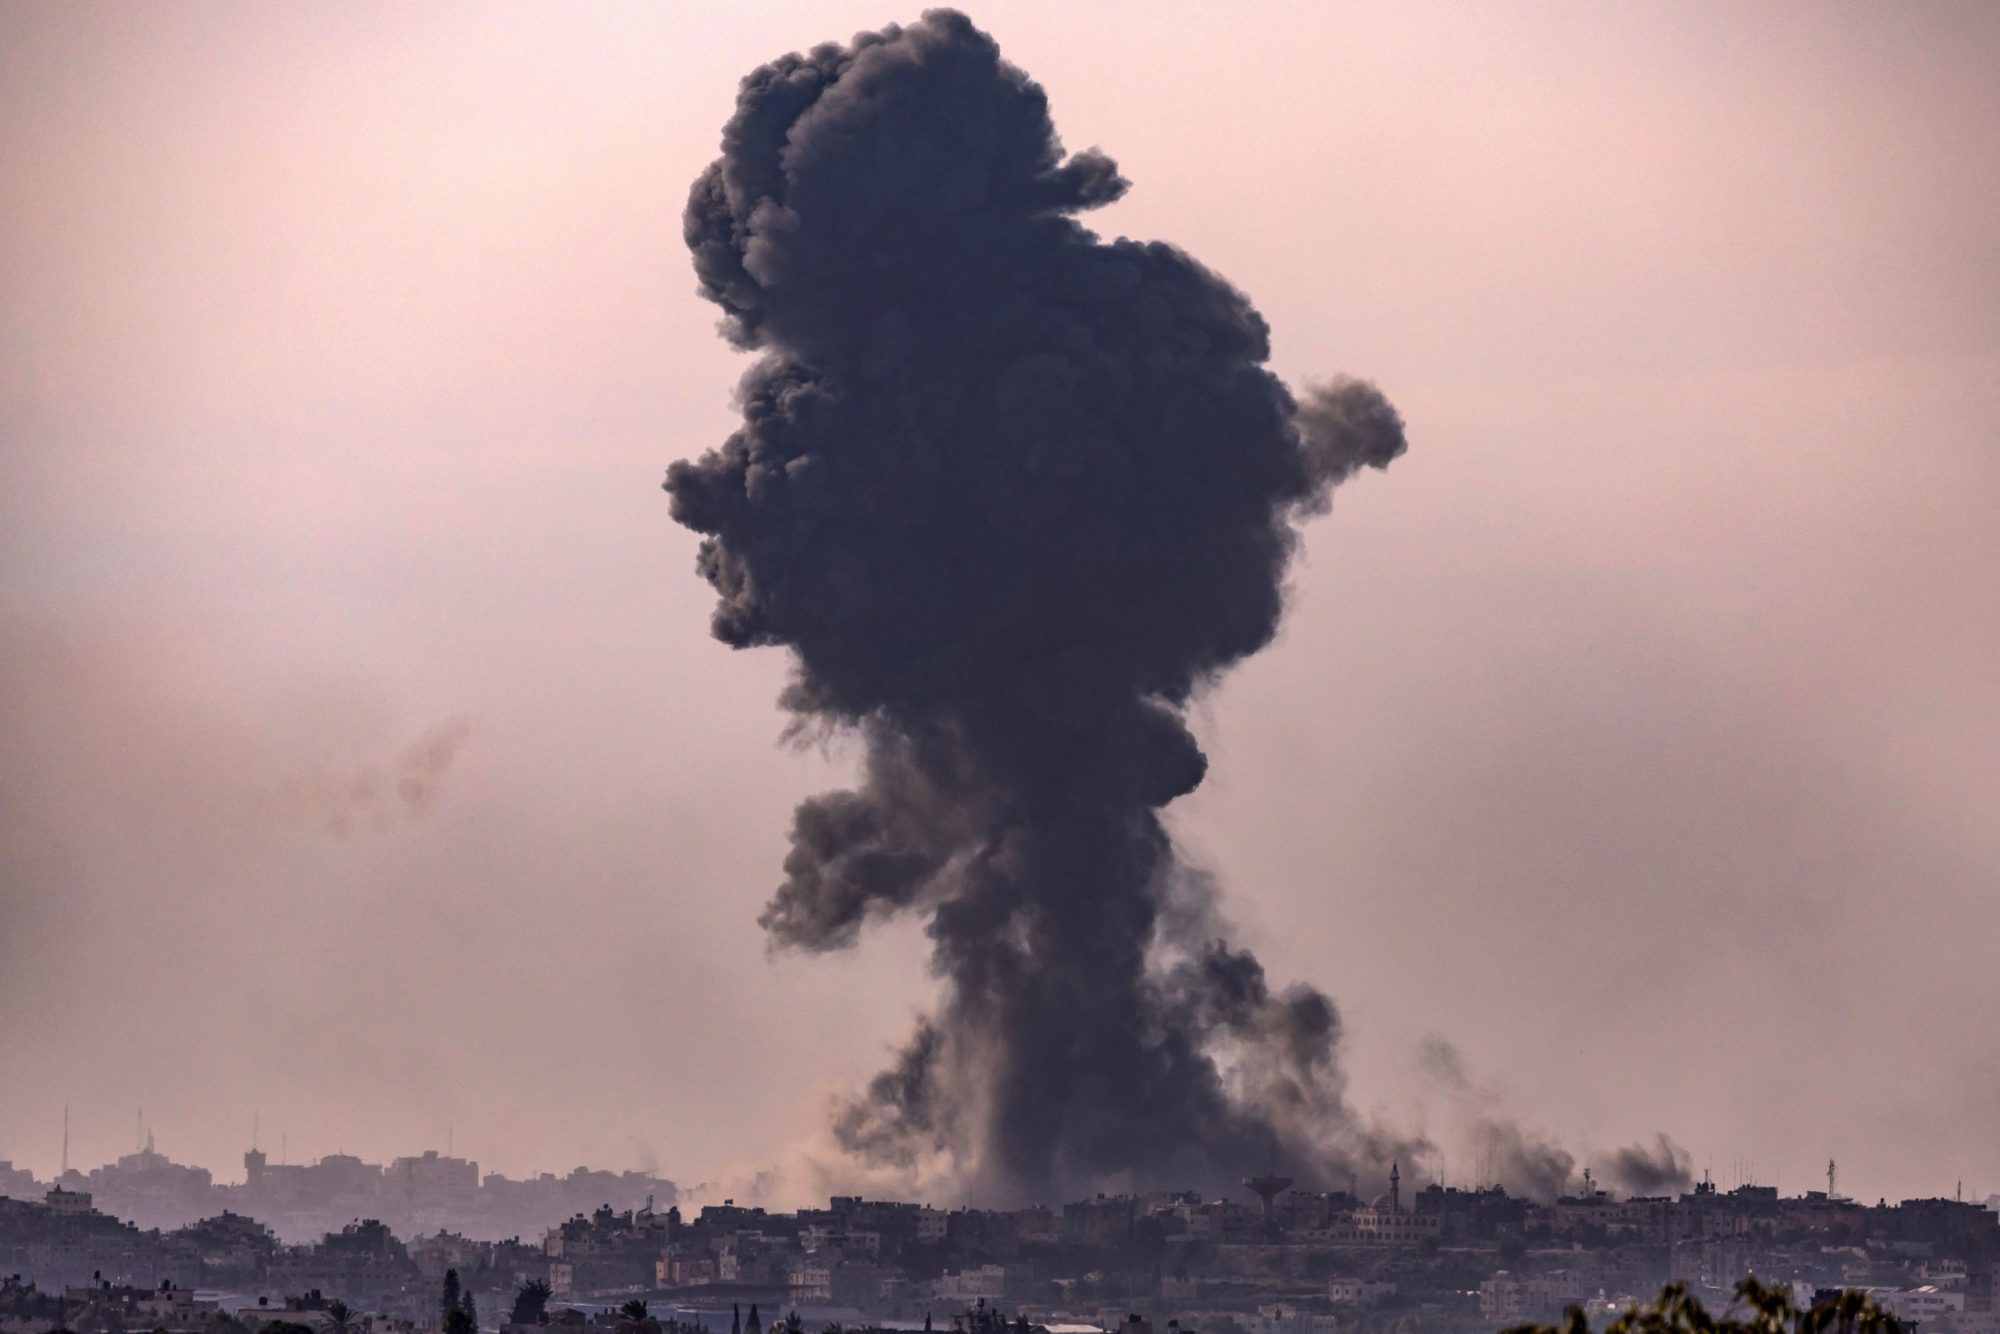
<point>1012,495</point>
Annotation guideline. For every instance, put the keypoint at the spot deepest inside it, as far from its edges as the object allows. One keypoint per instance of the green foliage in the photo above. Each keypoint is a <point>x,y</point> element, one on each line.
<point>1756,1310</point>
<point>25,1300</point>
<point>531,1303</point>
<point>221,1322</point>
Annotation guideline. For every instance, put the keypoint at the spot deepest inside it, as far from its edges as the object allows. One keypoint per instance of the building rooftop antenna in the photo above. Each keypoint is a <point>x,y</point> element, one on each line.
<point>65,1158</point>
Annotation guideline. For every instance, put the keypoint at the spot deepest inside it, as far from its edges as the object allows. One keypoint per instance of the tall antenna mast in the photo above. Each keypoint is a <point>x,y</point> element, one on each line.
<point>65,1160</point>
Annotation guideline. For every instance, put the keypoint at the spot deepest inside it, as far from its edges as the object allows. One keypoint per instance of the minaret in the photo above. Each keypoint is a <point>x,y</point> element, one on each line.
<point>1395,1188</point>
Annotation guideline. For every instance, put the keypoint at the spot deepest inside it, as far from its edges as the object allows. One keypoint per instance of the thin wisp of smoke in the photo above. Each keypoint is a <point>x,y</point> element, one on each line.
<point>378,797</point>
<point>1012,495</point>
<point>1508,1154</point>
<point>1504,1151</point>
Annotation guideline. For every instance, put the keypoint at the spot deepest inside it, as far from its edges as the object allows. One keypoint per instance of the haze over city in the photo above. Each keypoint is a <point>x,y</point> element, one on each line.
<point>1623,764</point>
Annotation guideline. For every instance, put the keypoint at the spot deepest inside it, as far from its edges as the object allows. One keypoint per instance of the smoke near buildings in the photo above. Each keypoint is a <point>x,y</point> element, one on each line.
<point>1660,1168</point>
<point>1013,496</point>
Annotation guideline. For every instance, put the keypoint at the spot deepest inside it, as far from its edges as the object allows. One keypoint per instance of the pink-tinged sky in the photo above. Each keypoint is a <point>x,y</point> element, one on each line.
<point>1639,733</point>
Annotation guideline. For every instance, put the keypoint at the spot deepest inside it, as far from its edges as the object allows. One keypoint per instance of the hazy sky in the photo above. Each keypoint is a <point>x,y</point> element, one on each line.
<point>1638,733</point>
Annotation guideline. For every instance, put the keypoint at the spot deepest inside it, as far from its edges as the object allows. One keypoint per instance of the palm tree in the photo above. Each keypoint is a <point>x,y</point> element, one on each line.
<point>341,1315</point>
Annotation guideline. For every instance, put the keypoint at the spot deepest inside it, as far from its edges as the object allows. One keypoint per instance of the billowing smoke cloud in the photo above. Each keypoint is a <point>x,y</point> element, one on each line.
<point>1660,1168</point>
<point>1012,495</point>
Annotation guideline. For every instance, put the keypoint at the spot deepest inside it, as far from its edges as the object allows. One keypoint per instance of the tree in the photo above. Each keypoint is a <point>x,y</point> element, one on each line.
<point>341,1315</point>
<point>531,1303</point>
<point>471,1309</point>
<point>454,1317</point>
<point>1756,1310</point>
<point>634,1318</point>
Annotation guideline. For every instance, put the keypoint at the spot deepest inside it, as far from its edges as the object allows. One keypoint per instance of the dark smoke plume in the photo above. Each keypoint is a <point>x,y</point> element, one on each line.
<point>1012,495</point>
<point>1661,1168</point>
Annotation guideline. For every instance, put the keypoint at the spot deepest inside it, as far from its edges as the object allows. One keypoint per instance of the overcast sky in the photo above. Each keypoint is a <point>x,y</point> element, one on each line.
<point>366,765</point>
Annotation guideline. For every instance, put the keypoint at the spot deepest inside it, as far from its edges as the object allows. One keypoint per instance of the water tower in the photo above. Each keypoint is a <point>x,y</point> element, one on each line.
<point>1267,1188</point>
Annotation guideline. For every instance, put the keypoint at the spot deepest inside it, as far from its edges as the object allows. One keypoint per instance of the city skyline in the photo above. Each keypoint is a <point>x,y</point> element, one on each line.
<point>1737,1172</point>
<point>1295,1262</point>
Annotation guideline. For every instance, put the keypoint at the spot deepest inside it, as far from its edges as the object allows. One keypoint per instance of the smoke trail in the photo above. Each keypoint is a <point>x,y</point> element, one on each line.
<point>1012,495</point>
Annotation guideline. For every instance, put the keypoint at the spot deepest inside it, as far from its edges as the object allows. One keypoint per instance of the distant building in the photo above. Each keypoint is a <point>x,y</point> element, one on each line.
<point>1358,1292</point>
<point>1508,1299</point>
<point>68,1202</point>
<point>432,1179</point>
